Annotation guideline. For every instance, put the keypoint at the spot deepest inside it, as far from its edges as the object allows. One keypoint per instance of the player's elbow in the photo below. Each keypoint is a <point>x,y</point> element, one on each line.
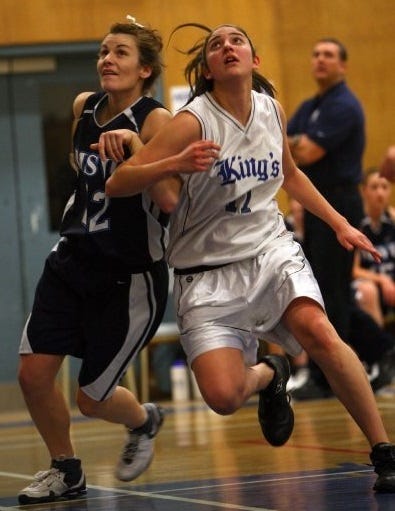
<point>170,205</point>
<point>114,189</point>
<point>166,194</point>
<point>166,200</point>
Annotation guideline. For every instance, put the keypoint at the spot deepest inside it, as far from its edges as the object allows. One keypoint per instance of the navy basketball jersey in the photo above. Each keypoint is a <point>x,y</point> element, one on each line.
<point>383,239</point>
<point>129,231</point>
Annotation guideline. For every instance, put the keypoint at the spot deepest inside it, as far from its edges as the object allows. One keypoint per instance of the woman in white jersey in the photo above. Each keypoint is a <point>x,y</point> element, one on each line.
<point>239,275</point>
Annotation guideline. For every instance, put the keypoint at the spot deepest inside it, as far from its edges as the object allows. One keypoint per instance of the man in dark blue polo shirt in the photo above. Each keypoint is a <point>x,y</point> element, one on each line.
<point>327,139</point>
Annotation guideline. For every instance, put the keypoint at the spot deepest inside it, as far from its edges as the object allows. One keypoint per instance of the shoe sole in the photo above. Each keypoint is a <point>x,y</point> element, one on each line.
<point>25,499</point>
<point>126,479</point>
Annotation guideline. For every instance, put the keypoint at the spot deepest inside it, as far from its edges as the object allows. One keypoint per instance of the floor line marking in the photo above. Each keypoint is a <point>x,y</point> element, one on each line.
<point>240,483</point>
<point>148,495</point>
<point>15,475</point>
<point>265,481</point>
<point>181,499</point>
<point>160,496</point>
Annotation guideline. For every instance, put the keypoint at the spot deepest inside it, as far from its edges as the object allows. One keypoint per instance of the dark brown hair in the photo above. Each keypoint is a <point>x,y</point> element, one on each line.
<point>193,72</point>
<point>149,44</point>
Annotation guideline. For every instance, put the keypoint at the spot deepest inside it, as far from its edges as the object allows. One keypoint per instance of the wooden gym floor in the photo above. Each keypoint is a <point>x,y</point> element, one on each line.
<point>205,462</point>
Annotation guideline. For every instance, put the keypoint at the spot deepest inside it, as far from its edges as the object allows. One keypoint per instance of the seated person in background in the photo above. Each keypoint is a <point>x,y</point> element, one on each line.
<point>375,282</point>
<point>373,345</point>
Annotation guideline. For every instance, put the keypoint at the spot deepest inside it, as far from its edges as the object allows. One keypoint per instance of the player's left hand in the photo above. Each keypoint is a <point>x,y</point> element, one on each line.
<point>350,237</point>
<point>197,157</point>
<point>111,144</point>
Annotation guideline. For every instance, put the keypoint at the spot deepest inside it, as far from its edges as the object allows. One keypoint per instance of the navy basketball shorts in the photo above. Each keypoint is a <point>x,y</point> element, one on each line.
<point>103,318</point>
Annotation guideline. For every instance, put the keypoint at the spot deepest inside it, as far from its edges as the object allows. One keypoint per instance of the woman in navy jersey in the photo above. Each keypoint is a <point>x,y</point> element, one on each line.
<point>239,275</point>
<point>375,282</point>
<point>103,290</point>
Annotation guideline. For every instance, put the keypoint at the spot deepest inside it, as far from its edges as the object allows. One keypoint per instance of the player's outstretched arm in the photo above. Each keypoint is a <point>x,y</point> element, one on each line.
<point>176,149</point>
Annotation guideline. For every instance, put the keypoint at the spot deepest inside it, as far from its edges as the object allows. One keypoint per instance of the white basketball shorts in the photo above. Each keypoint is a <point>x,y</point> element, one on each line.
<point>237,304</point>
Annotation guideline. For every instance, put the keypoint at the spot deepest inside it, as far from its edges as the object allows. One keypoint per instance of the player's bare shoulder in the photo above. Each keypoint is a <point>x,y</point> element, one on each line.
<point>79,102</point>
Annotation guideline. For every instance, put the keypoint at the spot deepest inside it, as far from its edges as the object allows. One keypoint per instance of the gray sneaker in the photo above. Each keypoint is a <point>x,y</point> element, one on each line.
<point>138,450</point>
<point>64,480</point>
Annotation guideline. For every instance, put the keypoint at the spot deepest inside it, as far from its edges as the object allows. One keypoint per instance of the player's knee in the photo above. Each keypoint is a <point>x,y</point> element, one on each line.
<point>32,381</point>
<point>25,380</point>
<point>224,401</point>
<point>87,406</point>
<point>323,338</point>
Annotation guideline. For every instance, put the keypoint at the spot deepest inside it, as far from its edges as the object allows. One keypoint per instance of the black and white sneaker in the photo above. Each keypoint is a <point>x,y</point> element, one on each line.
<point>138,450</point>
<point>275,413</point>
<point>383,460</point>
<point>64,480</point>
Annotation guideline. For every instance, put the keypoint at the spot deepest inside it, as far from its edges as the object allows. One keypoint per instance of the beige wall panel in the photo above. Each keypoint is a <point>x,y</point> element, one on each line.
<point>283,31</point>
<point>367,30</point>
<point>44,21</point>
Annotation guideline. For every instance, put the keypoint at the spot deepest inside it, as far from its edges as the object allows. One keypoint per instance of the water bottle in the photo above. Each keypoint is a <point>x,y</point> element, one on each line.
<point>196,394</point>
<point>179,381</point>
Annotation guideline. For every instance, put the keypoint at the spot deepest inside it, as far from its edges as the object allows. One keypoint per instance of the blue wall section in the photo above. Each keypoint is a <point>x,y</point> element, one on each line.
<point>11,285</point>
<point>26,99</point>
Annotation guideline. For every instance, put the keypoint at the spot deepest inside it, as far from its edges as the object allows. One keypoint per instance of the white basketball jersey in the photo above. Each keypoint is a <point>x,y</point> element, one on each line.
<point>230,212</point>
